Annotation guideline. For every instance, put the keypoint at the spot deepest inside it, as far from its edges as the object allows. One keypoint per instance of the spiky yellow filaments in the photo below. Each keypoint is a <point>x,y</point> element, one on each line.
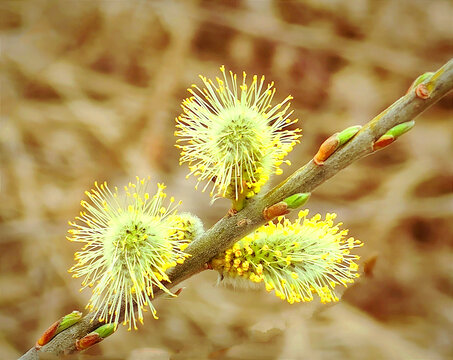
<point>189,228</point>
<point>295,260</point>
<point>128,246</point>
<point>232,137</point>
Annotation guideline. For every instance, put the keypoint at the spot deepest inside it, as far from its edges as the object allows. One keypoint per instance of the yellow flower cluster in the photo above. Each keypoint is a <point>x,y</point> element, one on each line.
<point>188,227</point>
<point>129,243</point>
<point>295,260</point>
<point>232,137</point>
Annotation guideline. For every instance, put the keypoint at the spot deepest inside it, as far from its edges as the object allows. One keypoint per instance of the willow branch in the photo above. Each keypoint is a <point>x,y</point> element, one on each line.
<point>230,229</point>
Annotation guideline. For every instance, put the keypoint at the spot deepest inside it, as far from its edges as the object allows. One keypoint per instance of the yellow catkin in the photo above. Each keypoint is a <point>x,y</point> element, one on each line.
<point>232,137</point>
<point>294,259</point>
<point>129,230</point>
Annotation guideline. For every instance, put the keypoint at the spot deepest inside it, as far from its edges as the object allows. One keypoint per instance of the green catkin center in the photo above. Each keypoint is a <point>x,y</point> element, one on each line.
<point>240,135</point>
<point>133,239</point>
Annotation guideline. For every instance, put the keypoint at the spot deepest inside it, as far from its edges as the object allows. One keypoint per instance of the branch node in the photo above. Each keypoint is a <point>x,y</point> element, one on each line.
<point>422,78</point>
<point>391,135</point>
<point>422,91</point>
<point>231,212</point>
<point>57,327</point>
<point>243,222</point>
<point>95,336</point>
<point>331,144</point>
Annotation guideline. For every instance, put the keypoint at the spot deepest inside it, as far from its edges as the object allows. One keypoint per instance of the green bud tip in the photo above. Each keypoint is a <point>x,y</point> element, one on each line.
<point>69,320</point>
<point>297,200</point>
<point>421,79</point>
<point>400,129</point>
<point>105,330</point>
<point>346,135</point>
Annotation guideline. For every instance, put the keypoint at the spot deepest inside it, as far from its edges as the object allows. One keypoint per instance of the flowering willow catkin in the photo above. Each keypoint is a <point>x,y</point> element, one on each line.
<point>129,243</point>
<point>232,137</point>
<point>295,260</point>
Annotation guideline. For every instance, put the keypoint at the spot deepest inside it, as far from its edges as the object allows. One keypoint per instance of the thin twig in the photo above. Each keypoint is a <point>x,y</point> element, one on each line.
<point>232,228</point>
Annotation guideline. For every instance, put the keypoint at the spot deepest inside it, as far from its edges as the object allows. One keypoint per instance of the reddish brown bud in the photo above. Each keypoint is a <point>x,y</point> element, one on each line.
<point>58,326</point>
<point>275,210</point>
<point>48,334</point>
<point>326,149</point>
<point>383,141</point>
<point>88,341</point>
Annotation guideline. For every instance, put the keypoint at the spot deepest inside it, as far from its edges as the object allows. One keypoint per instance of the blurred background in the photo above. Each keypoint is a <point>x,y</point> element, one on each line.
<point>90,91</point>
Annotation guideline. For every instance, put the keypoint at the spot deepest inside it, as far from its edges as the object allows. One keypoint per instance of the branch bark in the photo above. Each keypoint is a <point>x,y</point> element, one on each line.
<point>232,228</point>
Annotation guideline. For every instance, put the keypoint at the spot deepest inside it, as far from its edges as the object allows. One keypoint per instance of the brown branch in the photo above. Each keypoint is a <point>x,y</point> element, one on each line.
<point>232,228</point>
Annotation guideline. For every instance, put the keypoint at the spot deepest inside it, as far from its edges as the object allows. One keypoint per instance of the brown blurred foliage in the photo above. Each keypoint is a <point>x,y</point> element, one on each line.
<point>90,90</point>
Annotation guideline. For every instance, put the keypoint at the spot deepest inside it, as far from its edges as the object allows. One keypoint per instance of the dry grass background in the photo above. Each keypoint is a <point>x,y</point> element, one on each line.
<point>90,90</point>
